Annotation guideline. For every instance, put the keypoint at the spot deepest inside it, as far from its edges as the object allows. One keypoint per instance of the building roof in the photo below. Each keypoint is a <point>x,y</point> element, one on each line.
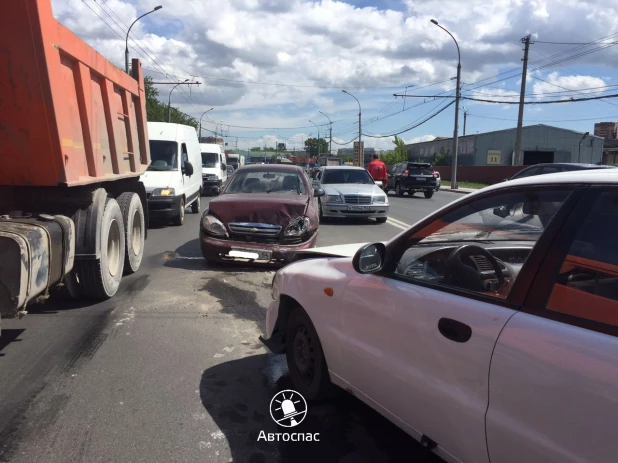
<point>505,130</point>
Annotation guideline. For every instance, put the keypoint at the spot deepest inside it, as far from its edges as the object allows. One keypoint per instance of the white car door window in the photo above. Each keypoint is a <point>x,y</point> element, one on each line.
<point>417,347</point>
<point>554,377</point>
<point>480,247</point>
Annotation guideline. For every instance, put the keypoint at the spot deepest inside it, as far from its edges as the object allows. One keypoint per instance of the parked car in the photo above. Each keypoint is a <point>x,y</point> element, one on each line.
<point>263,214</point>
<point>171,180</point>
<point>412,177</point>
<point>350,192</point>
<point>541,169</point>
<point>484,342</point>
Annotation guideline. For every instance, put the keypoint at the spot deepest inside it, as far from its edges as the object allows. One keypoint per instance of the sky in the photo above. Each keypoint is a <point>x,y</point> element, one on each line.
<point>270,68</point>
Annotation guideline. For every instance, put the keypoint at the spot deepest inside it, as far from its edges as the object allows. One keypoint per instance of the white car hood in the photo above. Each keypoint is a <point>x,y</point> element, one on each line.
<point>157,179</point>
<point>352,189</point>
<point>340,250</point>
<point>212,171</point>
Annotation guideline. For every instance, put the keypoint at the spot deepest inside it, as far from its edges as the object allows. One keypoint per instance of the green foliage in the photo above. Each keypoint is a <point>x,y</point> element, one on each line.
<point>441,158</point>
<point>312,148</point>
<point>157,111</point>
<point>399,154</point>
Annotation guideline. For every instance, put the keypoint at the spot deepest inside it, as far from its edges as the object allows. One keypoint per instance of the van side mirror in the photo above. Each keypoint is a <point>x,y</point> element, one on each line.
<point>223,167</point>
<point>187,169</point>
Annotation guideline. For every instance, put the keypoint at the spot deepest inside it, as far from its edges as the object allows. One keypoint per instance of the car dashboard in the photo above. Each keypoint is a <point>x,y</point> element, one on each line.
<point>428,263</point>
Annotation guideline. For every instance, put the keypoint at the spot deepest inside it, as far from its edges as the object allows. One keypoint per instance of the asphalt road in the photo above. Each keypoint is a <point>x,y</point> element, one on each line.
<point>171,368</point>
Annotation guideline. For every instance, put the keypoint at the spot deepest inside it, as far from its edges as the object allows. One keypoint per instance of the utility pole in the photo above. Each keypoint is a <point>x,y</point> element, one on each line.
<point>465,111</point>
<point>522,94</point>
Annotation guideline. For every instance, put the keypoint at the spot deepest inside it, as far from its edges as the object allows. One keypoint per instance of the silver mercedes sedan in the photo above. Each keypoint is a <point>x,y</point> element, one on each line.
<point>350,192</point>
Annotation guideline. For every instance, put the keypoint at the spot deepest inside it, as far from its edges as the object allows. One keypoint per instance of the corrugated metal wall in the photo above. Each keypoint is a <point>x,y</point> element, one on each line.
<point>474,149</point>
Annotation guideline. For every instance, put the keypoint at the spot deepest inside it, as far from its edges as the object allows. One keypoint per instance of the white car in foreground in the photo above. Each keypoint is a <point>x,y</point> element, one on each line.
<point>484,341</point>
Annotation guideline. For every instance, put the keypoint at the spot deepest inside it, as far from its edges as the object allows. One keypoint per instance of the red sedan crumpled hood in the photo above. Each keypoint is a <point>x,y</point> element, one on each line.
<point>270,208</point>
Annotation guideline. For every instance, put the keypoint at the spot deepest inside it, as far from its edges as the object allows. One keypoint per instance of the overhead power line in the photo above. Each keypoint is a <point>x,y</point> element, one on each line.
<point>413,127</point>
<point>569,100</point>
<point>266,128</point>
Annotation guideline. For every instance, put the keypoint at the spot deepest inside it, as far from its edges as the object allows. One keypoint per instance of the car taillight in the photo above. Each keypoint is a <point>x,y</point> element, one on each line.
<point>406,172</point>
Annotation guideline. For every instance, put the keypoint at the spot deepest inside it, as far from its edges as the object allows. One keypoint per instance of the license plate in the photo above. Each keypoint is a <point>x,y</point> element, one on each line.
<point>358,208</point>
<point>421,179</point>
<point>255,254</point>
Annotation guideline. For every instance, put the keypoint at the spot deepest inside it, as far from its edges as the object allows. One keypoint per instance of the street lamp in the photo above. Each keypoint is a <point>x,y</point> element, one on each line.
<point>454,184</point>
<point>318,136</point>
<point>360,144</point>
<point>203,114</point>
<point>126,42</point>
<point>579,153</point>
<point>330,137</point>
<point>169,101</point>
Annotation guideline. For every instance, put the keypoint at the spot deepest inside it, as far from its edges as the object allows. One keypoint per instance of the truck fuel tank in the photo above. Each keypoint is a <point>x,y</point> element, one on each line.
<point>36,253</point>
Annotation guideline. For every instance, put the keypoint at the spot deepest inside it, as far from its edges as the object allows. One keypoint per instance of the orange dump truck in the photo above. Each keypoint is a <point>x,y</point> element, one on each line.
<point>73,145</point>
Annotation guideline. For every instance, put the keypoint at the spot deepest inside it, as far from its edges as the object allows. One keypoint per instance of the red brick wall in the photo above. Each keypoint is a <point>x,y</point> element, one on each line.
<point>480,174</point>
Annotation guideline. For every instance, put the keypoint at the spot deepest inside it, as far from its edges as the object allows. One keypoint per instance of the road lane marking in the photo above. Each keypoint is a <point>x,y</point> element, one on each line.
<point>395,224</point>
<point>398,223</point>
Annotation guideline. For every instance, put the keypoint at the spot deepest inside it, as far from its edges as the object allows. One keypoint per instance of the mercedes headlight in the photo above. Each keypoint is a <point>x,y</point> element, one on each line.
<point>379,199</point>
<point>333,199</point>
<point>163,192</point>
<point>298,226</point>
<point>213,225</point>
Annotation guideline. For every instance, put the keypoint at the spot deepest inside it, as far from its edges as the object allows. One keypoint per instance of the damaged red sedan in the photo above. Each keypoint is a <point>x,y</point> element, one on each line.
<point>264,213</point>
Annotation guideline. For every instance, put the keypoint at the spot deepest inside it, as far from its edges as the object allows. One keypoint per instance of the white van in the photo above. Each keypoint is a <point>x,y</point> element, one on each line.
<point>214,169</point>
<point>173,179</point>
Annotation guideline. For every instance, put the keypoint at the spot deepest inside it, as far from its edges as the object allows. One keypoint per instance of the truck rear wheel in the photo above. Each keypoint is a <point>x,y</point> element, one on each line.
<point>134,226</point>
<point>100,278</point>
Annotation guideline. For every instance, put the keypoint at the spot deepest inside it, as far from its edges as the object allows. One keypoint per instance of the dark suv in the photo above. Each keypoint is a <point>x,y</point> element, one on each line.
<point>412,177</point>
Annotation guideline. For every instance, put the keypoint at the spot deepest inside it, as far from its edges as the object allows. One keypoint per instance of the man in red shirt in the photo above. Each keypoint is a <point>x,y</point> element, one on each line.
<point>377,170</point>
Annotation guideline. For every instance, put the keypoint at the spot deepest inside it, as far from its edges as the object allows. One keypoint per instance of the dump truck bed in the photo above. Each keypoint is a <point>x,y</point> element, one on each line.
<point>68,116</point>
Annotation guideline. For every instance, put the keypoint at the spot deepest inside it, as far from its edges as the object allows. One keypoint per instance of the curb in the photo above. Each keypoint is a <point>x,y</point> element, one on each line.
<point>461,192</point>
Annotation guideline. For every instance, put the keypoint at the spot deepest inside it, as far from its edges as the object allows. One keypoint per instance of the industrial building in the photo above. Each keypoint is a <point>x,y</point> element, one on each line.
<point>539,143</point>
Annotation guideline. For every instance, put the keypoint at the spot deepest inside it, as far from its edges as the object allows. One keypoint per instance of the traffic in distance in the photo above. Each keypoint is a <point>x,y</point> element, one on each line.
<point>283,310</point>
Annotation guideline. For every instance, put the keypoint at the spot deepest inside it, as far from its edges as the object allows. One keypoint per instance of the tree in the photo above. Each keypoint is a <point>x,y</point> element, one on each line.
<point>157,111</point>
<point>399,154</point>
<point>441,158</point>
<point>311,146</point>
<point>400,149</point>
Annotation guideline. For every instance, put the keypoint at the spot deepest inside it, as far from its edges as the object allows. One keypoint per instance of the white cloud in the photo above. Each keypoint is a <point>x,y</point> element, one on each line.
<point>330,43</point>
<point>558,87</point>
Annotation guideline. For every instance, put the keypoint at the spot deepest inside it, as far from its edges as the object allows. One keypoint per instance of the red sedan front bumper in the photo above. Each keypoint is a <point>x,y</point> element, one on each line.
<point>217,250</point>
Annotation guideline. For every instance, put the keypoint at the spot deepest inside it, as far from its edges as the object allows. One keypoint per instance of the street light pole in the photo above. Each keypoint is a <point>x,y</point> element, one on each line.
<point>579,153</point>
<point>318,127</point>
<point>126,42</point>
<point>217,130</point>
<point>203,114</point>
<point>360,141</point>
<point>169,101</point>
<point>454,185</point>
<point>330,136</point>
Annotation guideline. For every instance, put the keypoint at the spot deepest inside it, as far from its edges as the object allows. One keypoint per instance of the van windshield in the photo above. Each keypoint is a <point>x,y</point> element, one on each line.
<point>163,155</point>
<point>210,159</point>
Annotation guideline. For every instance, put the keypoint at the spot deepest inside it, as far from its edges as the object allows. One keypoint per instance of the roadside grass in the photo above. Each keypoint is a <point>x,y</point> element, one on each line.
<point>477,186</point>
